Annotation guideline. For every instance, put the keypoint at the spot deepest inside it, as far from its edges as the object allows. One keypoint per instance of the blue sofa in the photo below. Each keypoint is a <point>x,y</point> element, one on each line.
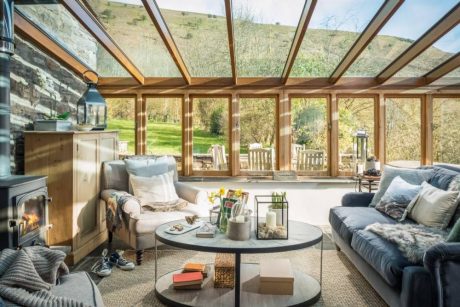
<point>399,282</point>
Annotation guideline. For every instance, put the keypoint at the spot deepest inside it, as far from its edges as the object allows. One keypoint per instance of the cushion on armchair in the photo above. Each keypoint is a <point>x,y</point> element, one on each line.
<point>156,189</point>
<point>410,175</point>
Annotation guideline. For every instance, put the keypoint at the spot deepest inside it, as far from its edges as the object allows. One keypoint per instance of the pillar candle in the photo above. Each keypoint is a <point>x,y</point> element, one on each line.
<point>270,219</point>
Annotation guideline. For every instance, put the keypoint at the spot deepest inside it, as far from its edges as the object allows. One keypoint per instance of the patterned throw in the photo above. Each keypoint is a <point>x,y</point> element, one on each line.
<point>412,240</point>
<point>27,275</point>
<point>114,212</point>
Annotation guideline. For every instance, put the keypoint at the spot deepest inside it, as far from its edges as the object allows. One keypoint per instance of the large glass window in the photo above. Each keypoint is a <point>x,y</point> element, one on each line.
<point>121,117</point>
<point>264,31</point>
<point>164,127</point>
<point>410,21</point>
<point>403,131</point>
<point>211,138</point>
<point>446,130</point>
<point>57,22</point>
<point>258,134</point>
<point>199,28</point>
<point>333,29</point>
<point>356,120</point>
<point>309,135</point>
<point>129,24</point>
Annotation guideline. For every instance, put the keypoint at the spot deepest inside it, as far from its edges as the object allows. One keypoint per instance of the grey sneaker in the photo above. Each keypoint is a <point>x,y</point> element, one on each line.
<point>118,260</point>
<point>102,267</point>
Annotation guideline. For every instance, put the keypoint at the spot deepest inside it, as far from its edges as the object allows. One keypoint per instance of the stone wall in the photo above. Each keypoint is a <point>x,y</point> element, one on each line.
<point>39,85</point>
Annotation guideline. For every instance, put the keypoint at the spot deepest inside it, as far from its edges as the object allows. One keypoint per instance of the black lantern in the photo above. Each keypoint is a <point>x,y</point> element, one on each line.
<point>272,212</point>
<point>91,108</point>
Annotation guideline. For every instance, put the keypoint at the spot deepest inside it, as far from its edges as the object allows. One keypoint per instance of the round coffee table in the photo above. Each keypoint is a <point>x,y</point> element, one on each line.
<point>307,289</point>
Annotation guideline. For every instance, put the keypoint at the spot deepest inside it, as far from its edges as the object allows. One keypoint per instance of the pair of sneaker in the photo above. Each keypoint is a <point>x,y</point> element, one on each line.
<point>103,267</point>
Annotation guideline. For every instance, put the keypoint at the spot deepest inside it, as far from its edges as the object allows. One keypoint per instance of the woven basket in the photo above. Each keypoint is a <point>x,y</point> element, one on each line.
<point>224,271</point>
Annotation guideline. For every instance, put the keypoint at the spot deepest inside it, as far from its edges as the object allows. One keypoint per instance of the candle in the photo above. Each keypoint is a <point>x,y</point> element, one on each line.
<point>377,165</point>
<point>360,169</point>
<point>239,219</point>
<point>270,219</point>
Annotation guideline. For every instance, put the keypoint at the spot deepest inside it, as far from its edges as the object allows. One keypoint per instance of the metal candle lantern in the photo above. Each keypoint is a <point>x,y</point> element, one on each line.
<point>360,141</point>
<point>92,109</point>
<point>272,213</point>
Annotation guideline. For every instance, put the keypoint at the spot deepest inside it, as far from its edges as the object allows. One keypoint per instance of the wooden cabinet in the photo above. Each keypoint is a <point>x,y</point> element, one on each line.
<point>72,161</point>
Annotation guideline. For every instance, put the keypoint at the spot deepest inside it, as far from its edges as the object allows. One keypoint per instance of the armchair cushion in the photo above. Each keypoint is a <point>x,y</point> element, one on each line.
<point>157,189</point>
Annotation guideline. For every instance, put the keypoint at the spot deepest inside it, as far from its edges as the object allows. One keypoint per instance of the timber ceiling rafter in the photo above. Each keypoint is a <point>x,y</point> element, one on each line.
<point>33,33</point>
<point>155,15</point>
<point>86,18</point>
<point>443,69</point>
<point>231,38</point>
<point>302,27</point>
<point>388,8</point>
<point>446,23</point>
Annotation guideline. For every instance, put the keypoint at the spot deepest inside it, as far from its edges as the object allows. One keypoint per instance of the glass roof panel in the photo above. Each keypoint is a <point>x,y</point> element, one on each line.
<point>442,50</point>
<point>264,30</point>
<point>130,26</point>
<point>199,29</point>
<point>59,24</point>
<point>410,21</point>
<point>332,31</point>
<point>450,79</point>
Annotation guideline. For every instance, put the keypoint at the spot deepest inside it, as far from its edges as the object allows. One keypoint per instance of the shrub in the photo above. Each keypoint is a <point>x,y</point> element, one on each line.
<point>217,122</point>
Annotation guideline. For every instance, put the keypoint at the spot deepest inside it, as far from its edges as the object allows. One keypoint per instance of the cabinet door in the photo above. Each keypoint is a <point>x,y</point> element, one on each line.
<point>87,187</point>
<point>109,145</point>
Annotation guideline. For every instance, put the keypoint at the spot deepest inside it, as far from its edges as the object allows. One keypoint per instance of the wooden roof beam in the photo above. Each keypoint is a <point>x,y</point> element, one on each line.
<point>155,15</point>
<point>443,69</point>
<point>43,41</point>
<point>388,8</point>
<point>231,37</point>
<point>307,12</point>
<point>445,24</point>
<point>91,24</point>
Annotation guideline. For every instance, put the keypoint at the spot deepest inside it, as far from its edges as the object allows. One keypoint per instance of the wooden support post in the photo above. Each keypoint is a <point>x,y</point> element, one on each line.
<point>187,133</point>
<point>235,134</point>
<point>427,131</point>
<point>334,138</point>
<point>284,145</point>
<point>141,125</point>
<point>380,131</point>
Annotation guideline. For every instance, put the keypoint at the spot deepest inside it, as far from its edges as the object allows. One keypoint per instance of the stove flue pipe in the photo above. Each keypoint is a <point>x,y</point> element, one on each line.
<point>6,51</point>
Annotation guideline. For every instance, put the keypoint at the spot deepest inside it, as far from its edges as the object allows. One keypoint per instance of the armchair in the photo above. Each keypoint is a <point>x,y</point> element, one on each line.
<point>138,226</point>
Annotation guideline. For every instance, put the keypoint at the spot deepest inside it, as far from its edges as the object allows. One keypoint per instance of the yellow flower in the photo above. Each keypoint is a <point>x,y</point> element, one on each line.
<point>221,191</point>
<point>238,193</point>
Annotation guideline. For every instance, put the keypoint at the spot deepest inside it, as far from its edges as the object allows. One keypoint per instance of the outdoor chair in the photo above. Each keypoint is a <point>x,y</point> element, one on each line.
<point>261,159</point>
<point>310,160</point>
<point>219,160</point>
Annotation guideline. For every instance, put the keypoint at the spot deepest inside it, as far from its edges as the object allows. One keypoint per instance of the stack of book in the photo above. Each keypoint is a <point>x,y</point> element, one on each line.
<point>196,267</point>
<point>188,281</point>
<point>276,277</point>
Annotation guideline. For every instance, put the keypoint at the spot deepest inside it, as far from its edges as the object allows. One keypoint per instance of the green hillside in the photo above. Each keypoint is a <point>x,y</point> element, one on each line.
<point>261,48</point>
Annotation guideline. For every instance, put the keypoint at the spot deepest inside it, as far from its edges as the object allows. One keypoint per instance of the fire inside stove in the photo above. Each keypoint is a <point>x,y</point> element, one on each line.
<point>33,214</point>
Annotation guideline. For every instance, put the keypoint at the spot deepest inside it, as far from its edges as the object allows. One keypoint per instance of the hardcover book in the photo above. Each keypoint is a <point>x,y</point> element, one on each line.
<point>187,279</point>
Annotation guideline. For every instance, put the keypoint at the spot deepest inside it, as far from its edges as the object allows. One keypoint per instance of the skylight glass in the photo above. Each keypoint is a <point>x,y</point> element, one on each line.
<point>199,29</point>
<point>450,79</point>
<point>441,51</point>
<point>129,24</point>
<point>331,33</point>
<point>410,21</point>
<point>264,30</point>
<point>59,24</point>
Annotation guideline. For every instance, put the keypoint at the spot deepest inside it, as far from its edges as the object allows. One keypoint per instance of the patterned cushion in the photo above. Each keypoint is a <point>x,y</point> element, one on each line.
<point>455,186</point>
<point>442,178</point>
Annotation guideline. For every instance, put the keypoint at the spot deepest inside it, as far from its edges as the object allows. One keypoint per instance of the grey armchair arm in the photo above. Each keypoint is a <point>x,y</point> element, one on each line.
<point>191,194</point>
<point>443,262</point>
<point>357,199</point>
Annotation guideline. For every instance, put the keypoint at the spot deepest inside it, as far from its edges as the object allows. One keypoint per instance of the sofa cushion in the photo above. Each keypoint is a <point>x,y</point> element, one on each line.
<point>442,178</point>
<point>346,220</point>
<point>382,255</point>
<point>455,186</point>
<point>412,176</point>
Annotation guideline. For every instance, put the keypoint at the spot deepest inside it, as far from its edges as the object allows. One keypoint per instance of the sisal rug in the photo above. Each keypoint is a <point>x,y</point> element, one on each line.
<point>343,285</point>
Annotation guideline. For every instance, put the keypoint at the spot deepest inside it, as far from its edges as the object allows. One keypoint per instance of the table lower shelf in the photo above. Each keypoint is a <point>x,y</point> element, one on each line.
<point>306,291</point>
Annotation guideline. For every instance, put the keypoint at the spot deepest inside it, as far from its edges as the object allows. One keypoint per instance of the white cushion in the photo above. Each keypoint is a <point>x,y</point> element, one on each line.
<point>156,189</point>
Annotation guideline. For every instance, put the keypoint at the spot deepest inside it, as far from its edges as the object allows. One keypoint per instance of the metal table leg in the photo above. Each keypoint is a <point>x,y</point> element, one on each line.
<point>237,279</point>
<point>321,265</point>
<point>156,260</point>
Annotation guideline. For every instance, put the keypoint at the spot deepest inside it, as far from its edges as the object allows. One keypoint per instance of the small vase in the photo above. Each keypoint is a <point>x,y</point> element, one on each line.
<point>223,222</point>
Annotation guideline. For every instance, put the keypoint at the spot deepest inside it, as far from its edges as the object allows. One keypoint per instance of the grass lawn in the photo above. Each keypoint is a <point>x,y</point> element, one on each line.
<point>164,138</point>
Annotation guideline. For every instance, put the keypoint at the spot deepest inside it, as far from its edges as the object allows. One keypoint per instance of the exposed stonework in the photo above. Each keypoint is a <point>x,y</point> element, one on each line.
<point>38,84</point>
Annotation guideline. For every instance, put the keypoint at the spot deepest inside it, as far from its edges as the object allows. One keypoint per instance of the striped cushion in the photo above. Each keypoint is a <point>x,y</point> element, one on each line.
<point>156,189</point>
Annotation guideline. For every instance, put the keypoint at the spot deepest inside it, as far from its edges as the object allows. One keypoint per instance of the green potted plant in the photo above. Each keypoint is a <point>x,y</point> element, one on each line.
<point>280,207</point>
<point>54,121</point>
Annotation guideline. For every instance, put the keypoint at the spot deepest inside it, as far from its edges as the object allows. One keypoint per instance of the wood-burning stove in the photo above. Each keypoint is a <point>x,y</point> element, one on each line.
<point>23,211</point>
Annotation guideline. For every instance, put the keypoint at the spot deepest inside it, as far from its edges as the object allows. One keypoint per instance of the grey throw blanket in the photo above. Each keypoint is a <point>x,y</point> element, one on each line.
<point>412,240</point>
<point>27,275</point>
<point>114,212</point>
